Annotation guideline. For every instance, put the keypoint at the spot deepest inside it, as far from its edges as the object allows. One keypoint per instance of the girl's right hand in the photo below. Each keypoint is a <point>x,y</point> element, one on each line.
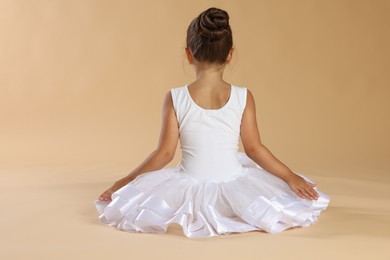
<point>106,195</point>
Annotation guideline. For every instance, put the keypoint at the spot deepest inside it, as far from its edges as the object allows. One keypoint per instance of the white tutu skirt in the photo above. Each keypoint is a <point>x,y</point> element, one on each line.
<point>255,200</point>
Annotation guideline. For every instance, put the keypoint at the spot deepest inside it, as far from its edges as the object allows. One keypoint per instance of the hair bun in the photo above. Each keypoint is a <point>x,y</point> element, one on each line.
<point>214,23</point>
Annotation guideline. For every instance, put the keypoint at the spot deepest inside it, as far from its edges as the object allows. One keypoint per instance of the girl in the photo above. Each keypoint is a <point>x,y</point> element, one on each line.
<point>215,189</point>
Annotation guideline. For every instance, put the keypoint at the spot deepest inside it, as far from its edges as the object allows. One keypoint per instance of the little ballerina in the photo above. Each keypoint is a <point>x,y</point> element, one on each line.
<point>215,189</point>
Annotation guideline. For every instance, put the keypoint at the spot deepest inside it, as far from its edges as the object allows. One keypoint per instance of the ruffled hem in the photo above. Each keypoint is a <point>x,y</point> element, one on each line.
<point>256,200</point>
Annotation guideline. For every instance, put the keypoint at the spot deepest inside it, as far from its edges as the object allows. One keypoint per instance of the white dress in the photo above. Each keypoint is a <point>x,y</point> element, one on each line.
<point>215,189</point>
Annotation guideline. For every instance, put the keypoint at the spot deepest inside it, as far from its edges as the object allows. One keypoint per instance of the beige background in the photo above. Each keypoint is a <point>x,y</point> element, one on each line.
<point>82,84</point>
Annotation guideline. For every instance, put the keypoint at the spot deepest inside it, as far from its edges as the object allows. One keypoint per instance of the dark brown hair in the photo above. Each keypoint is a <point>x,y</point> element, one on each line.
<point>209,36</point>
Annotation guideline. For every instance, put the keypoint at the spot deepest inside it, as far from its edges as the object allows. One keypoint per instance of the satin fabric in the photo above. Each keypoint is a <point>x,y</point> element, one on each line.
<point>254,200</point>
<point>215,189</point>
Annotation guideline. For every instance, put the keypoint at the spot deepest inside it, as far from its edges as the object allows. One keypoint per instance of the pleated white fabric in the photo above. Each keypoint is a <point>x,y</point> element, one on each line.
<point>215,189</point>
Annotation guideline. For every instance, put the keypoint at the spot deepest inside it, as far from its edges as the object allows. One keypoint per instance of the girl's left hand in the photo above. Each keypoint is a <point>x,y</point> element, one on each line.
<point>302,188</point>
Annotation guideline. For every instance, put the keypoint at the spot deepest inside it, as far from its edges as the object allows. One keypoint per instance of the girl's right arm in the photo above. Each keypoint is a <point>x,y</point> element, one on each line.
<point>161,156</point>
<point>166,148</point>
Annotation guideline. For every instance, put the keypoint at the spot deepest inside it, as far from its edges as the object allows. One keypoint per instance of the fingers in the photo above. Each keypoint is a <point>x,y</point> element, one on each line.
<point>310,191</point>
<point>300,194</point>
<point>307,193</point>
<point>106,196</point>
<point>310,194</point>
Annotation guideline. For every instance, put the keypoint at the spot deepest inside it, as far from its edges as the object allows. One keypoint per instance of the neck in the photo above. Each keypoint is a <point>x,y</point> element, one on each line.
<point>209,73</point>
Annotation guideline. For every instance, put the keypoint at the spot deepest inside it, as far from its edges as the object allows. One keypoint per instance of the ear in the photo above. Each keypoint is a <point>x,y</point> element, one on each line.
<point>189,55</point>
<point>230,55</point>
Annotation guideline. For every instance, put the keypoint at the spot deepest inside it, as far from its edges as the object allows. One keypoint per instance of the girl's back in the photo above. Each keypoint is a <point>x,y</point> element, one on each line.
<point>215,189</point>
<point>209,137</point>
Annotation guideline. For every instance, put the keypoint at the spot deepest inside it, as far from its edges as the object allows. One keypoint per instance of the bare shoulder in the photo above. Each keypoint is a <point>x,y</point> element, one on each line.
<point>168,95</point>
<point>168,99</point>
<point>250,100</point>
<point>249,93</point>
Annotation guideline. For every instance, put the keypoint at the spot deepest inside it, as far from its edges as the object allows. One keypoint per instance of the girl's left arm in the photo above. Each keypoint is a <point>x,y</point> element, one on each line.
<point>259,153</point>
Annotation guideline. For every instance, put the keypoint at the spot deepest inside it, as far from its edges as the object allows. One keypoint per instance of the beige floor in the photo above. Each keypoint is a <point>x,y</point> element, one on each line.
<point>81,90</point>
<point>47,213</point>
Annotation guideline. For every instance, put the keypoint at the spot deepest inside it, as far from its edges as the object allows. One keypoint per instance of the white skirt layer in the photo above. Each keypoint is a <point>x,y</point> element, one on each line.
<point>254,200</point>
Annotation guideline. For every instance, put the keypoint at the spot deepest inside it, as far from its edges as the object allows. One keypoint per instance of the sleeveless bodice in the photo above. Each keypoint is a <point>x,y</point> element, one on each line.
<point>215,189</point>
<point>209,138</point>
